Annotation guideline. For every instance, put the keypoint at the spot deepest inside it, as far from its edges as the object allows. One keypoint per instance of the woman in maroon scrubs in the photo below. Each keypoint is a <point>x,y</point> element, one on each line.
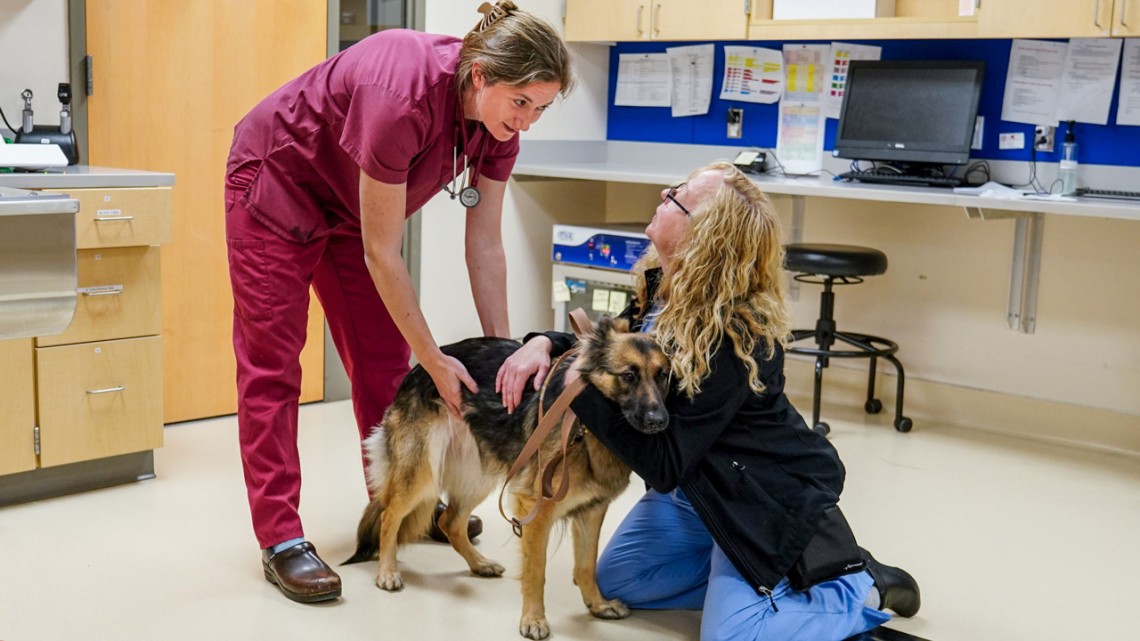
<point>320,177</point>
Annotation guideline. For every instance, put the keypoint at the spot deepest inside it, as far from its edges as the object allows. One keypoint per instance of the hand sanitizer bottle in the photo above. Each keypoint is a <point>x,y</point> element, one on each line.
<point>1068,173</point>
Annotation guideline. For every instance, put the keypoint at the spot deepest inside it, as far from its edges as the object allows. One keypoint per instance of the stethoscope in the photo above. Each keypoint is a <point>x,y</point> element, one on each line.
<point>467,193</point>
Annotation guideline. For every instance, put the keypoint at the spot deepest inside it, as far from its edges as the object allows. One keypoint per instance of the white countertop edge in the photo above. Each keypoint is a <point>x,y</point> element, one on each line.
<point>86,176</point>
<point>663,163</point>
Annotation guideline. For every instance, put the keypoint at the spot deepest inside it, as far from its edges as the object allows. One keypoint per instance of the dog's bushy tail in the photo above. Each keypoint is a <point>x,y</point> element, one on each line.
<point>367,534</point>
<point>414,528</point>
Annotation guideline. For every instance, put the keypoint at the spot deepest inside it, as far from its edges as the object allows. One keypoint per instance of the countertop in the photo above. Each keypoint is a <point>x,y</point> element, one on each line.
<point>85,176</point>
<point>663,163</point>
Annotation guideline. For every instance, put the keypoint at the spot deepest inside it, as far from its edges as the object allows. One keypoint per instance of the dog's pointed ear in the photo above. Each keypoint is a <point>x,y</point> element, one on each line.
<point>603,329</point>
<point>621,325</point>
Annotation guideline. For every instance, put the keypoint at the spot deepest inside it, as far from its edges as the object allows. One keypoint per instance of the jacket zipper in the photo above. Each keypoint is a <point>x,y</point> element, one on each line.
<point>760,588</point>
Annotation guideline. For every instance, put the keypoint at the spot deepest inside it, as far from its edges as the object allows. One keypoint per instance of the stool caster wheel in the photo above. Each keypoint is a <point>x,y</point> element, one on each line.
<point>873,406</point>
<point>903,424</point>
<point>823,429</point>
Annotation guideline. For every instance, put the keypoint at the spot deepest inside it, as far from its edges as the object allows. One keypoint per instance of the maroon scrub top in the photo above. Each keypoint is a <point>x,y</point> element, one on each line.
<point>386,105</point>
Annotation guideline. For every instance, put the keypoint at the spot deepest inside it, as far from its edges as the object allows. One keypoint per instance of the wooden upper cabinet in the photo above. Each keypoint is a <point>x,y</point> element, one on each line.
<point>1126,18</point>
<point>913,20</point>
<point>667,20</point>
<point>673,20</point>
<point>1046,18</point>
<point>705,20</point>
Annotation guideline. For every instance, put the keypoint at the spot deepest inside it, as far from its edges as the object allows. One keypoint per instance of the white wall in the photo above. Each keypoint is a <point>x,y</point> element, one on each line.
<point>445,294</point>
<point>34,32</point>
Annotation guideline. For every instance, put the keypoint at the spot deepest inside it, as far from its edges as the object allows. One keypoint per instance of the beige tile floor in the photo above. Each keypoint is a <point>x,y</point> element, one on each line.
<point>1009,539</point>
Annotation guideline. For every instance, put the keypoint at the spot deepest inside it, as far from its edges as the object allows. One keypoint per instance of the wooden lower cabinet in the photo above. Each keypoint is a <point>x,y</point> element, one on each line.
<point>17,407</point>
<point>83,409</point>
<point>100,399</point>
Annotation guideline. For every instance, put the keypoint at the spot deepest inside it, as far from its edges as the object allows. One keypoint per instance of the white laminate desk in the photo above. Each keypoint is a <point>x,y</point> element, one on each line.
<point>662,163</point>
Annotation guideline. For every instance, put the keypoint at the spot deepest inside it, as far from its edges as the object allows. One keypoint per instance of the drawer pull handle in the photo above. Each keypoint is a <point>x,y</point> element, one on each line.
<point>107,390</point>
<point>105,219</point>
<point>104,292</point>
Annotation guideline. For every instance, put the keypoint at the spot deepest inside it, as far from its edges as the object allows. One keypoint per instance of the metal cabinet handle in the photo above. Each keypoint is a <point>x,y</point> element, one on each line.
<point>640,11</point>
<point>102,219</point>
<point>656,14</point>
<point>106,292</point>
<point>1096,15</point>
<point>1124,13</point>
<point>107,390</point>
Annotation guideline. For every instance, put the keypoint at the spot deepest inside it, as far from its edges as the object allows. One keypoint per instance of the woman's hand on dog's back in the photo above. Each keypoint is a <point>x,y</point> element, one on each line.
<point>448,374</point>
<point>532,359</point>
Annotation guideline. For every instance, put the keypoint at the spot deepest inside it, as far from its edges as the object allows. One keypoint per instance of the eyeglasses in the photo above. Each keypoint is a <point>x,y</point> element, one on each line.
<point>672,195</point>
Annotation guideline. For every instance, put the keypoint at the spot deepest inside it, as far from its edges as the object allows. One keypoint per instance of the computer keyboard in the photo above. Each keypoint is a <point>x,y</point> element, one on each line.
<point>1113,194</point>
<point>901,179</point>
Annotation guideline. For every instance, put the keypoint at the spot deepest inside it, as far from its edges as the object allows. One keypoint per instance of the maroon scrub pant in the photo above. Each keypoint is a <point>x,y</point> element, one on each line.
<point>271,277</point>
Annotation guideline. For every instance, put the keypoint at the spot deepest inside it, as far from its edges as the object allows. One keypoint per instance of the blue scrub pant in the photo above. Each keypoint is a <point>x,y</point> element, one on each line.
<point>663,557</point>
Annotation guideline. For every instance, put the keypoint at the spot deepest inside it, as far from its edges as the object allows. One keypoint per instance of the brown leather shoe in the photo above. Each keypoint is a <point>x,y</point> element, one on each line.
<point>300,574</point>
<point>474,525</point>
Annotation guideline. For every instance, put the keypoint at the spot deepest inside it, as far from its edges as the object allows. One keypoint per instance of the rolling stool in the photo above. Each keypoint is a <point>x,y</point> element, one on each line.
<point>830,265</point>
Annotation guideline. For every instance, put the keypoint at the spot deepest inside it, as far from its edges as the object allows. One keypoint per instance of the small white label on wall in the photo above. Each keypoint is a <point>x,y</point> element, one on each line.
<point>1011,141</point>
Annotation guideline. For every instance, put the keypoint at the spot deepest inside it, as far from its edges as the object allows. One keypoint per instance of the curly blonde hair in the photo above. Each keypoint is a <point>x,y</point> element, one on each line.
<point>727,282</point>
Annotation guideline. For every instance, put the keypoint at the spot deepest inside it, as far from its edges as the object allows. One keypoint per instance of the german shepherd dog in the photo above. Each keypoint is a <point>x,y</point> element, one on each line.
<point>420,452</point>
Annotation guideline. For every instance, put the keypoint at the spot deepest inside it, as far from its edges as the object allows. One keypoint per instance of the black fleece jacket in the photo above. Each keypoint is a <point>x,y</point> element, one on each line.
<point>753,471</point>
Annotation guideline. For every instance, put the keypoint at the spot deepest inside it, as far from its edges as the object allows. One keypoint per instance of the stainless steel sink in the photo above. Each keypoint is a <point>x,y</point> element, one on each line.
<point>37,263</point>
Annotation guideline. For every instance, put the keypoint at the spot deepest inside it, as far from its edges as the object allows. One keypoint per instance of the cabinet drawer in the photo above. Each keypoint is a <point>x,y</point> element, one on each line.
<point>122,217</point>
<point>99,399</point>
<point>119,296</point>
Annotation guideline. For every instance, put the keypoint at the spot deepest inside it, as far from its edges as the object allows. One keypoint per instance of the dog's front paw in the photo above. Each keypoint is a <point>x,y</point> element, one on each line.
<point>389,580</point>
<point>612,609</point>
<point>534,627</point>
<point>488,569</point>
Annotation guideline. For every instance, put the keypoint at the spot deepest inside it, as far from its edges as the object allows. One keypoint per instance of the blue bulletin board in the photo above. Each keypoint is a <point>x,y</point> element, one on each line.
<point>1099,144</point>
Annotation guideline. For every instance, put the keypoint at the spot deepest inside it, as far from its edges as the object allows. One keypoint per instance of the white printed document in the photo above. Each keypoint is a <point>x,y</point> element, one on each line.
<point>752,74</point>
<point>692,69</point>
<point>1128,106</point>
<point>1049,82</point>
<point>1032,81</point>
<point>643,80</point>
<point>1088,80</point>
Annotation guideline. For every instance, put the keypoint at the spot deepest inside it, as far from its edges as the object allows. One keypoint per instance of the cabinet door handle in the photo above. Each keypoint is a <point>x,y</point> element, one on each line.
<point>1124,13</point>
<point>104,292</point>
<point>640,11</point>
<point>107,390</point>
<point>1096,15</point>
<point>104,219</point>
<point>656,15</point>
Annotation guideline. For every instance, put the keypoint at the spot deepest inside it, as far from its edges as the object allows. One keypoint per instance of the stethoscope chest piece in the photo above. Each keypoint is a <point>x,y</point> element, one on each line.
<point>469,196</point>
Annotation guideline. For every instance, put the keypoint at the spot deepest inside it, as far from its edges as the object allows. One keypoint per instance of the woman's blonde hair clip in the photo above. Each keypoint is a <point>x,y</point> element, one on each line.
<point>492,13</point>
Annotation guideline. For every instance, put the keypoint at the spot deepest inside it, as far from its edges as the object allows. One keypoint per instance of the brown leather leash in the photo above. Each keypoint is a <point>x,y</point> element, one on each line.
<point>560,409</point>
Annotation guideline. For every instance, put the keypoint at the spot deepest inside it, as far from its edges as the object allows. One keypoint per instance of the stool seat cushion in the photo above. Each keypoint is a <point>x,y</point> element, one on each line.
<point>834,260</point>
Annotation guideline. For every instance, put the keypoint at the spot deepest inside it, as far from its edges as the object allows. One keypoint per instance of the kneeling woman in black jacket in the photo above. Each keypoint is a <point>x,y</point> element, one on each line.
<point>739,484</point>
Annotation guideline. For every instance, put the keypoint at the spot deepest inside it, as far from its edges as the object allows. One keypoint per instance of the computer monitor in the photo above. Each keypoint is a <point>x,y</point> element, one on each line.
<point>910,111</point>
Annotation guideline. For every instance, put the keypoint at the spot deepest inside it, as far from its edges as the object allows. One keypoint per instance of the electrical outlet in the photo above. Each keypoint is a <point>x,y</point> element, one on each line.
<point>1043,138</point>
<point>735,121</point>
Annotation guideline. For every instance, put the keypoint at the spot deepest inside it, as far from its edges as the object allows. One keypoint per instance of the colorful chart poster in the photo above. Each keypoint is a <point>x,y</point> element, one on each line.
<point>752,74</point>
<point>841,56</point>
